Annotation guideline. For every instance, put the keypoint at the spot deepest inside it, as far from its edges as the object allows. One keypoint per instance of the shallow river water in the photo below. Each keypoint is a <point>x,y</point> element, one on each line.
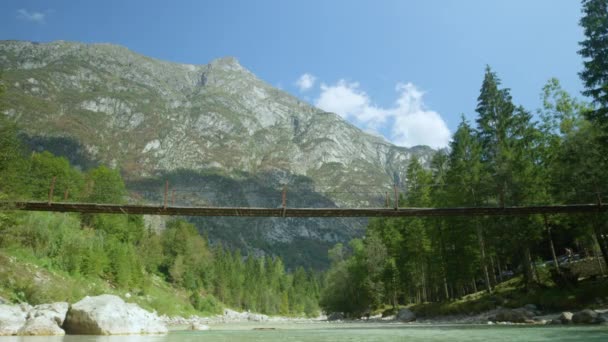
<point>354,332</point>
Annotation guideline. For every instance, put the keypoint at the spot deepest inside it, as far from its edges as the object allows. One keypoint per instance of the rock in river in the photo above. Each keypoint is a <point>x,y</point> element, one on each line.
<point>520,315</point>
<point>12,318</point>
<point>45,319</point>
<point>565,317</point>
<point>406,315</point>
<point>586,316</point>
<point>110,315</point>
<point>335,316</point>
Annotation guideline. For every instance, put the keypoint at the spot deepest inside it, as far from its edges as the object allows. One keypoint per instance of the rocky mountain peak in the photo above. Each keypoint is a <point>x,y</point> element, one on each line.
<point>227,63</point>
<point>152,118</point>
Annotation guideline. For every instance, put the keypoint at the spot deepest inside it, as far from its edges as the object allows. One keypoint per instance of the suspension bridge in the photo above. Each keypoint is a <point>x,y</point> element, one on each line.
<point>94,208</point>
<point>169,208</point>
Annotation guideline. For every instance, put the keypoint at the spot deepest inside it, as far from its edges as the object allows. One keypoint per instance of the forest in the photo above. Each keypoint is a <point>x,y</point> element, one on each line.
<point>510,156</point>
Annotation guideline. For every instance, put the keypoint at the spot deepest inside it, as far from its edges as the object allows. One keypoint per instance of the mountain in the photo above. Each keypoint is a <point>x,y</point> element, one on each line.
<point>217,132</point>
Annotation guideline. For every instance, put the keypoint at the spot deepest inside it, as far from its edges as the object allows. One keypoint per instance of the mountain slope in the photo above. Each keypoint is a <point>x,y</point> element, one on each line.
<point>153,118</point>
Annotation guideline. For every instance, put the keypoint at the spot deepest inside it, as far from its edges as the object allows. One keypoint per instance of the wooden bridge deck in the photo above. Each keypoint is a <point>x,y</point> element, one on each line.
<point>299,212</point>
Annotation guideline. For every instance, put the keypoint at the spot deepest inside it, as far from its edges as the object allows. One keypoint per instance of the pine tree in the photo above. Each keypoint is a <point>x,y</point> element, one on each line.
<point>594,49</point>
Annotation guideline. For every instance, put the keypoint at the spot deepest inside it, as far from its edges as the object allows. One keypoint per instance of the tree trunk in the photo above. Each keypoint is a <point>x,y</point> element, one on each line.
<point>424,296</point>
<point>493,271</point>
<point>483,256</point>
<point>597,229</point>
<point>443,262</point>
<point>499,269</point>
<point>550,236</point>
<point>474,285</point>
<point>598,259</point>
<point>536,275</point>
<point>527,268</point>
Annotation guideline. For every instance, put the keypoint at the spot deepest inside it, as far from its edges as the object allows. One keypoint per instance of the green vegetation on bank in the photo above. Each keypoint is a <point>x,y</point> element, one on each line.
<point>508,158</point>
<point>52,257</point>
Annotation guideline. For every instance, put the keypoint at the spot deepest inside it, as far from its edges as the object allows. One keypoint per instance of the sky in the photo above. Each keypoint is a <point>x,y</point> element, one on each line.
<point>406,70</point>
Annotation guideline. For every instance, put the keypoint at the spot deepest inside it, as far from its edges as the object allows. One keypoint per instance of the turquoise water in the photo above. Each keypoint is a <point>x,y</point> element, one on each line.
<point>354,332</point>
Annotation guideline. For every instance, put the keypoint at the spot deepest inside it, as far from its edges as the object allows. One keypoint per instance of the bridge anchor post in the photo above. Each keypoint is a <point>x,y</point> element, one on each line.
<point>52,188</point>
<point>284,200</point>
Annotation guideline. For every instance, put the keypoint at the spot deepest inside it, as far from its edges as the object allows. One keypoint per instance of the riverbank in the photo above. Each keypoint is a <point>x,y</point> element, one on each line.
<point>110,315</point>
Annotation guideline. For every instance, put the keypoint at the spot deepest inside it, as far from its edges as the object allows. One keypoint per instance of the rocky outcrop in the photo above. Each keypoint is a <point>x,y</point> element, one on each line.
<point>217,117</point>
<point>110,315</point>
<point>235,316</point>
<point>586,316</point>
<point>405,315</point>
<point>565,317</point>
<point>12,318</point>
<point>335,316</point>
<point>45,320</point>
<point>520,315</point>
<point>40,326</point>
<point>198,326</point>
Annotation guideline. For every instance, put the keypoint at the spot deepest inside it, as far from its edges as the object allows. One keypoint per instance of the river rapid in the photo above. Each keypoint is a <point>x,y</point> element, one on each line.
<point>353,332</point>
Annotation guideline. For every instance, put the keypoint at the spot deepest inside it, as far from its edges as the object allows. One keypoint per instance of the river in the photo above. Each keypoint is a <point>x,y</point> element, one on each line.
<point>353,332</point>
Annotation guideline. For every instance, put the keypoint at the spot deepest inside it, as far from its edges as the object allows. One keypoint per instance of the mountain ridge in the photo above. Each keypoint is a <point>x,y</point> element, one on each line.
<point>153,118</point>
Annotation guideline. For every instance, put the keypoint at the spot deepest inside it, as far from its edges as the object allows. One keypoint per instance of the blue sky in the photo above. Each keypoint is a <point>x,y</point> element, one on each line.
<point>403,69</point>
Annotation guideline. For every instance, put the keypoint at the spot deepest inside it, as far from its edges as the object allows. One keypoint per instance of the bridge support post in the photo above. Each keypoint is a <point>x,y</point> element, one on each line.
<point>51,189</point>
<point>284,200</point>
<point>166,191</point>
<point>387,200</point>
<point>396,197</point>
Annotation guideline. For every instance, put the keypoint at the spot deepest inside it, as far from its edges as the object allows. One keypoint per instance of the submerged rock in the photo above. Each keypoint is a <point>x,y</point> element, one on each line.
<point>110,315</point>
<point>406,315</point>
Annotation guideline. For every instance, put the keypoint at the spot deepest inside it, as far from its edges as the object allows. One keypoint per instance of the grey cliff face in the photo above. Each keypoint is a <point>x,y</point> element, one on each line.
<point>150,117</point>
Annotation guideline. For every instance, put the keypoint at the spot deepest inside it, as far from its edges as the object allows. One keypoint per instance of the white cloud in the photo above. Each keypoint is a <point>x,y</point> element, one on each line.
<point>408,122</point>
<point>348,101</point>
<point>36,17</point>
<point>415,124</point>
<point>305,82</point>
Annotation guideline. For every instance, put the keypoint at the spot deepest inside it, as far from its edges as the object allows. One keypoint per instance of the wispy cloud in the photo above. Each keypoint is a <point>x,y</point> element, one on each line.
<point>305,82</point>
<point>33,16</point>
<point>408,122</point>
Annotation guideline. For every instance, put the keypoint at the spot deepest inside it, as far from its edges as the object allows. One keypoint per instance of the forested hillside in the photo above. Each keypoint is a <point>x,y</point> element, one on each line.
<point>174,271</point>
<point>510,156</point>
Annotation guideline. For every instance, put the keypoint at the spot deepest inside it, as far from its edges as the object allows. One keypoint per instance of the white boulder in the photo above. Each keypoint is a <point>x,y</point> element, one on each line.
<point>45,319</point>
<point>12,318</point>
<point>110,315</point>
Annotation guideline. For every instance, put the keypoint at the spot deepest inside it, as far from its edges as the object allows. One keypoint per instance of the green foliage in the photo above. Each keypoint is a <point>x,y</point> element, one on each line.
<point>207,304</point>
<point>593,50</point>
<point>104,185</point>
<point>507,160</point>
<point>43,168</point>
<point>119,251</point>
